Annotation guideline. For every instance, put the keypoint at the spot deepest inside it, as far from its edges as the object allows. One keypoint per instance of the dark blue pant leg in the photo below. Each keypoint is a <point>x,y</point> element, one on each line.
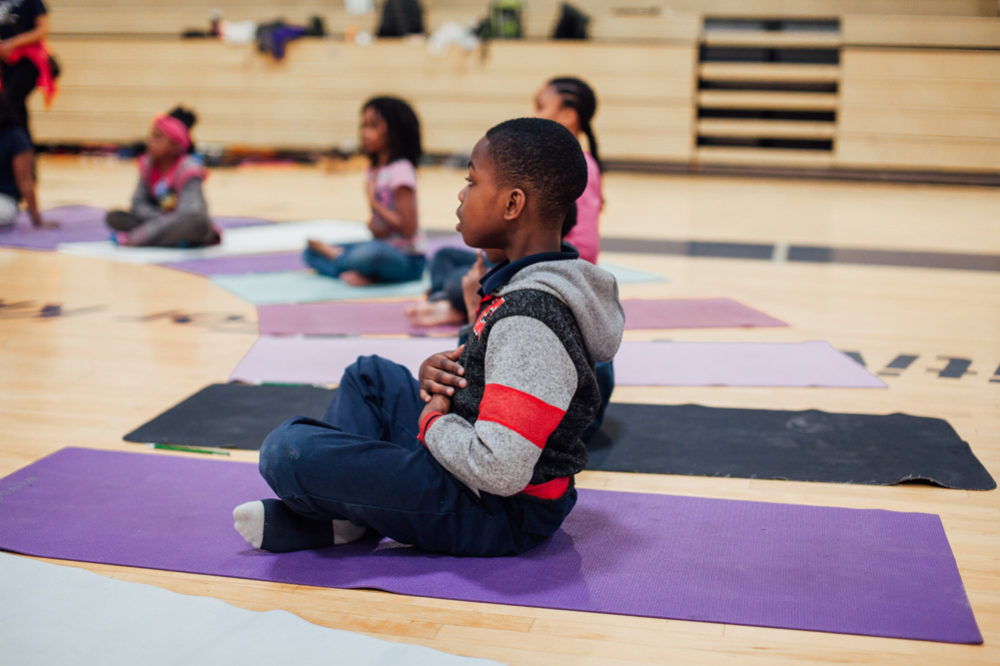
<point>381,262</point>
<point>446,262</point>
<point>365,464</point>
<point>605,373</point>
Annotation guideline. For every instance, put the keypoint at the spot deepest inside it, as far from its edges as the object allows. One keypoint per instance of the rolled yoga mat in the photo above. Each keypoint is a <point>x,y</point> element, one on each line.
<point>653,439</point>
<point>857,571</point>
<point>692,440</point>
<point>389,318</point>
<point>321,361</point>
<point>242,241</point>
<point>79,224</point>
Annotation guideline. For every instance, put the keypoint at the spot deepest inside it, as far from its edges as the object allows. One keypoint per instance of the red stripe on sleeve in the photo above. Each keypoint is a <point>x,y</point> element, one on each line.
<point>426,423</point>
<point>528,416</point>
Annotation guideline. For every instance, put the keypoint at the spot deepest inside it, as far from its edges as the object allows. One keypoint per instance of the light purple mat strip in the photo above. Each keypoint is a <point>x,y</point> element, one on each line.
<point>321,361</point>
<point>79,224</point>
<point>239,265</point>
<point>868,572</point>
<point>389,318</point>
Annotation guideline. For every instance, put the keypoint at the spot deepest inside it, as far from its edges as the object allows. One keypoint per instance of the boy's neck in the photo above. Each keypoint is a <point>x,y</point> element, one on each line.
<point>532,239</point>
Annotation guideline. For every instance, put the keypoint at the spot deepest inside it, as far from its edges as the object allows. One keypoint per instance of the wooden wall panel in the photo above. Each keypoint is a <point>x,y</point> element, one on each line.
<point>111,89</point>
<point>919,109</point>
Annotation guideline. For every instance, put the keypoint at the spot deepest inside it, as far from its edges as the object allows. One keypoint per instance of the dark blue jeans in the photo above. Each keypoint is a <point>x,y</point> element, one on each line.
<point>374,259</point>
<point>448,266</point>
<point>363,463</point>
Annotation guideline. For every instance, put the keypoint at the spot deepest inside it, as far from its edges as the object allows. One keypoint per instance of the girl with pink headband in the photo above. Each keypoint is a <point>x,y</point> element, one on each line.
<point>168,206</point>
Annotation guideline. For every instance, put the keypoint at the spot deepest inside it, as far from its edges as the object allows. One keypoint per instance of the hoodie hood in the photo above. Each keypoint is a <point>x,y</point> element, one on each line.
<point>591,293</point>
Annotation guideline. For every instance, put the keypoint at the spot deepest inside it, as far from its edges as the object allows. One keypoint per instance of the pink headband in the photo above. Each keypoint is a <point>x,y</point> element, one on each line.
<point>175,130</point>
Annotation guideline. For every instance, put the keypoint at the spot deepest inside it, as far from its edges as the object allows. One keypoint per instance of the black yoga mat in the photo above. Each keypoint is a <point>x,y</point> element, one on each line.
<point>655,439</point>
<point>236,416</point>
<point>798,446</point>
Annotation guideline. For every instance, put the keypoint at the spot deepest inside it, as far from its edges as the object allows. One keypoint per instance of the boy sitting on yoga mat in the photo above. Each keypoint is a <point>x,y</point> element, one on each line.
<point>477,456</point>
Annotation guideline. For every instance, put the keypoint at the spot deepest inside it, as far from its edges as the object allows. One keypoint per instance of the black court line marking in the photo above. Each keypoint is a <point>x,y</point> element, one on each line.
<point>800,253</point>
<point>898,365</point>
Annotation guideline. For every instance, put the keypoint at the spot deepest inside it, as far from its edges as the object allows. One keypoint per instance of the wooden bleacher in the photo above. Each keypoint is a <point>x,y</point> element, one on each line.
<point>822,84</point>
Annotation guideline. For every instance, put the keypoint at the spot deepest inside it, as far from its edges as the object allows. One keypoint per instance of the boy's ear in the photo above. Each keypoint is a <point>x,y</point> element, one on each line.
<point>516,201</point>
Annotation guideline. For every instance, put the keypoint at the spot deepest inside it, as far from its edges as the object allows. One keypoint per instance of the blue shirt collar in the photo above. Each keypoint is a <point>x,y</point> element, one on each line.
<point>503,272</point>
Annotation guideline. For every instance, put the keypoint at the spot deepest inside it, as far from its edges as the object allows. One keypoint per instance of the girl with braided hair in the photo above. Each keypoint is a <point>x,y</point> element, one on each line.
<point>571,102</point>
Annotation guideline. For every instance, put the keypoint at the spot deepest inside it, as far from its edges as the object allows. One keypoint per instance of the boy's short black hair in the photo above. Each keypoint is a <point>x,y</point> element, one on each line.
<point>541,157</point>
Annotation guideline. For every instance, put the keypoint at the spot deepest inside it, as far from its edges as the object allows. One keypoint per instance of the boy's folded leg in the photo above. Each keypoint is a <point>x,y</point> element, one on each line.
<point>271,525</point>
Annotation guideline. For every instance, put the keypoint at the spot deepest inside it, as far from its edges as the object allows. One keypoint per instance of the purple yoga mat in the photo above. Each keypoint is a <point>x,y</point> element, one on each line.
<point>76,224</point>
<point>321,361</point>
<point>388,318</point>
<point>251,263</point>
<point>869,572</point>
<point>82,224</point>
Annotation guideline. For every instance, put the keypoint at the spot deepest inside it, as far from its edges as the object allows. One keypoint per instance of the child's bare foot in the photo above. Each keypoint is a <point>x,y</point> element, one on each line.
<point>434,313</point>
<point>355,279</point>
<point>328,251</point>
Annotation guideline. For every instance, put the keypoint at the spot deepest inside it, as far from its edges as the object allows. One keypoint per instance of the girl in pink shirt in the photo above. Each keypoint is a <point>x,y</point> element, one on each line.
<point>571,102</point>
<point>390,137</point>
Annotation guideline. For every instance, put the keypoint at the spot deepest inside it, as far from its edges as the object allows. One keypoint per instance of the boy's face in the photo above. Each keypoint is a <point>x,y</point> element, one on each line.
<point>481,211</point>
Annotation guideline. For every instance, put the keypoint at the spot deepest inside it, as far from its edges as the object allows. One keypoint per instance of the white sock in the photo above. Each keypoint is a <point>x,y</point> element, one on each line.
<point>344,531</point>
<point>249,522</point>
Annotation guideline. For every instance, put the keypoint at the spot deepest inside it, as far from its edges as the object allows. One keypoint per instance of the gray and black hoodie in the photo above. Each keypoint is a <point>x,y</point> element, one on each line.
<point>543,322</point>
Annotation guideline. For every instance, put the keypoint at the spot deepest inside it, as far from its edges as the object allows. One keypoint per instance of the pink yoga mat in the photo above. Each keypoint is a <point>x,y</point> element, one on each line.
<point>321,361</point>
<point>388,318</point>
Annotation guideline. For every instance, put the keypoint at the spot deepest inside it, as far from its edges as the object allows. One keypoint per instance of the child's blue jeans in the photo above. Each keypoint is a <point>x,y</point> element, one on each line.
<point>374,259</point>
<point>364,463</point>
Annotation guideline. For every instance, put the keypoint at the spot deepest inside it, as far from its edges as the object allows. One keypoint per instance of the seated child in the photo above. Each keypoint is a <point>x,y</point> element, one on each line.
<point>390,136</point>
<point>477,456</point>
<point>17,176</point>
<point>168,206</point>
<point>570,102</point>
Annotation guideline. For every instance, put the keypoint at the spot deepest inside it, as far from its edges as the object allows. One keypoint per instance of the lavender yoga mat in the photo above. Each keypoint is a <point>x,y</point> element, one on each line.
<point>78,224</point>
<point>389,318</point>
<point>253,263</point>
<point>321,361</point>
<point>868,572</point>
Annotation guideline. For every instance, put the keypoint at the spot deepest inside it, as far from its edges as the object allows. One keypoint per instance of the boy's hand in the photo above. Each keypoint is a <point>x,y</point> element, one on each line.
<point>440,375</point>
<point>437,403</point>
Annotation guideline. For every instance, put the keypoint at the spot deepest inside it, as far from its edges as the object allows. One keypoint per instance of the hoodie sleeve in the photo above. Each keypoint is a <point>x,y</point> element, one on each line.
<point>530,380</point>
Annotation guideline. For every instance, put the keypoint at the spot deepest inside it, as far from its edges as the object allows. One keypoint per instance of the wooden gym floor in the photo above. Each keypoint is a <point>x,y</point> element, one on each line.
<point>116,357</point>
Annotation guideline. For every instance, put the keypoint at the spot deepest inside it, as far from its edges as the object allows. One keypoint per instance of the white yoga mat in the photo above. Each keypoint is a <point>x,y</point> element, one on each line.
<point>63,615</point>
<point>244,240</point>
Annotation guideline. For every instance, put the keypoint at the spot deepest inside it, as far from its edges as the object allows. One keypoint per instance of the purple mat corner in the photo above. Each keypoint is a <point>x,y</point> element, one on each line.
<point>868,572</point>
